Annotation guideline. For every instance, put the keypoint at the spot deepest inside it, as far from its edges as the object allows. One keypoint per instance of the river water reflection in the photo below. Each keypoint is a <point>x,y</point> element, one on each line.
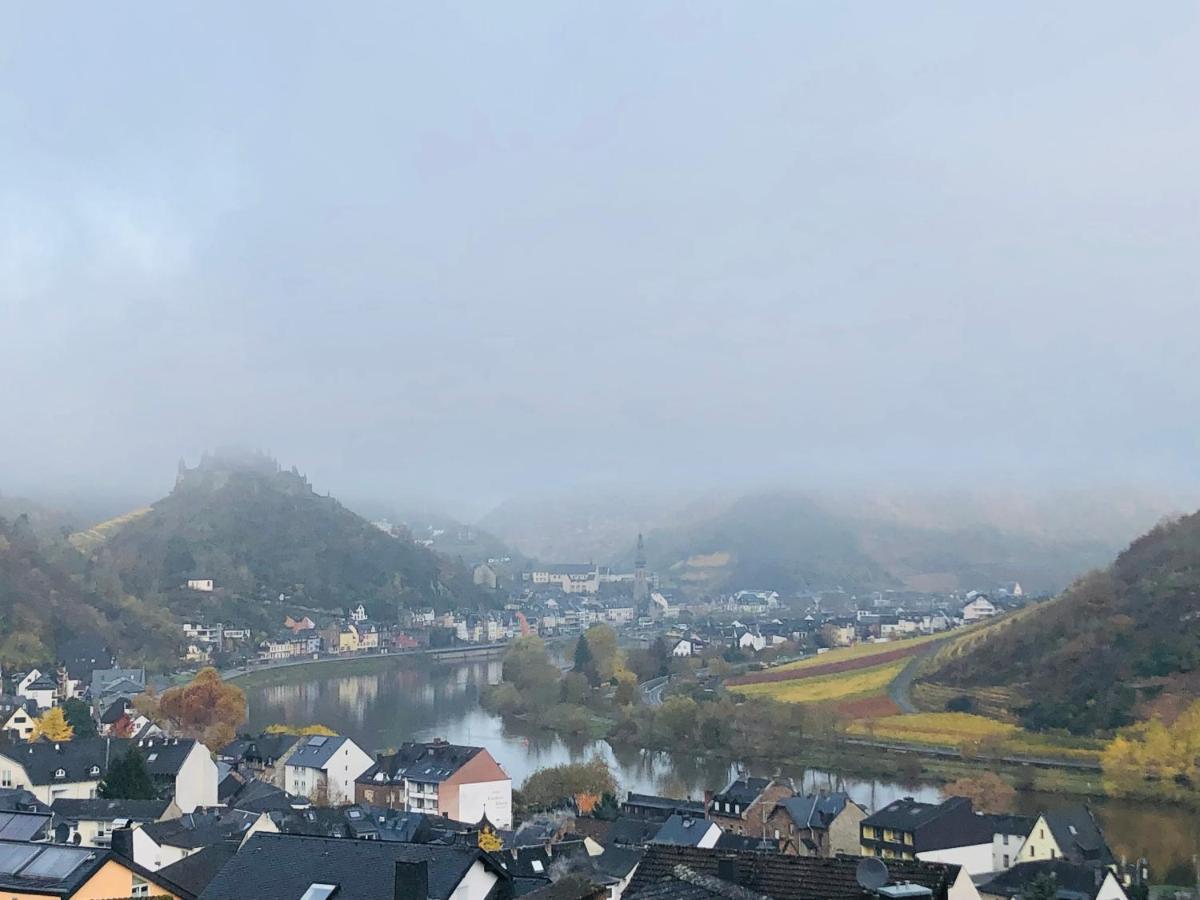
<point>414,700</point>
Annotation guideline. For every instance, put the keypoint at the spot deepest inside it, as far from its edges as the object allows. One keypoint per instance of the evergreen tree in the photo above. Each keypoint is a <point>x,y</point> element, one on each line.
<point>585,664</point>
<point>1044,887</point>
<point>128,779</point>
<point>79,714</point>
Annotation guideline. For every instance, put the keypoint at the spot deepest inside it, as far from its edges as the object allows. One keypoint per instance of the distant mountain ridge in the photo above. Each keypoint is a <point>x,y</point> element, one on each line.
<point>791,540</point>
<point>1119,645</point>
<point>259,530</point>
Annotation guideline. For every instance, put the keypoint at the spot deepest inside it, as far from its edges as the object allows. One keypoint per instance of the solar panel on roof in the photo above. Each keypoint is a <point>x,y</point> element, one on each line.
<point>55,862</point>
<point>13,857</point>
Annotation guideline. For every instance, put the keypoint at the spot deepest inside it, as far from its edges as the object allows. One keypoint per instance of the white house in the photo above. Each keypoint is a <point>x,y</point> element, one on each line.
<point>41,689</point>
<point>204,585</point>
<point>979,608</point>
<point>683,647</point>
<point>92,822</point>
<point>184,768</point>
<point>16,718</point>
<point>160,844</point>
<point>324,769</point>
<point>749,640</point>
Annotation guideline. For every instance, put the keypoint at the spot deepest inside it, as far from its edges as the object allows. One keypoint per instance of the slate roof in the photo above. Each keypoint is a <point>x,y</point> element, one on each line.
<point>256,795</point>
<point>665,805</point>
<point>618,862</point>
<point>113,712</point>
<point>1008,824</point>
<point>632,832</point>
<point>265,749</point>
<point>164,757</point>
<point>428,763</point>
<point>106,682</point>
<point>815,810</point>
<point>1072,880</point>
<point>780,876</point>
<point>202,828</point>
<point>20,800</point>
<point>107,810</point>
<point>278,865</point>
<point>196,871</point>
<point>1078,835</point>
<point>316,751</point>
<point>742,791</point>
<point>76,758</point>
<point>684,831</point>
<point>906,815</point>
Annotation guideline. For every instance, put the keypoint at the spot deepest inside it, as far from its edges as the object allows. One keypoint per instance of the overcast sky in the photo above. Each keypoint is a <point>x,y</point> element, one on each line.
<point>470,250</point>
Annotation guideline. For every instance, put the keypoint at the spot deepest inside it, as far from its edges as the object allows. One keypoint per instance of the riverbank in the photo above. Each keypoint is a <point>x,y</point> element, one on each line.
<point>359,663</point>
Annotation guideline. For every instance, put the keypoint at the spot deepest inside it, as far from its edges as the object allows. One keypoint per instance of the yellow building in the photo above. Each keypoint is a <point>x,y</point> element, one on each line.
<point>36,871</point>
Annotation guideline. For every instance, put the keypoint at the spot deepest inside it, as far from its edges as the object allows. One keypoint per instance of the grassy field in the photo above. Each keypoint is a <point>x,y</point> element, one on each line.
<point>949,729</point>
<point>946,729</point>
<point>862,682</point>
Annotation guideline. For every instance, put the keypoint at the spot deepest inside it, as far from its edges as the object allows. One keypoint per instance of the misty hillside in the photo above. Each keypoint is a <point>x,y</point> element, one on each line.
<point>1120,644</point>
<point>259,531</point>
<point>44,601</point>
<point>796,540</point>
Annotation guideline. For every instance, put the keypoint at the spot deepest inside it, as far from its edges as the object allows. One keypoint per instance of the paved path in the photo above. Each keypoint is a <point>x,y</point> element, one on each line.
<point>900,690</point>
<point>652,690</point>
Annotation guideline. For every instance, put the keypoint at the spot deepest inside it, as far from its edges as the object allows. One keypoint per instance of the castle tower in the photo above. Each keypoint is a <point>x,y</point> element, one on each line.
<point>641,590</point>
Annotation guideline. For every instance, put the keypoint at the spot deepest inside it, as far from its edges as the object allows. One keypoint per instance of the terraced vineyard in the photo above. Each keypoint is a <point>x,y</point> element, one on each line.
<point>87,541</point>
<point>842,685</point>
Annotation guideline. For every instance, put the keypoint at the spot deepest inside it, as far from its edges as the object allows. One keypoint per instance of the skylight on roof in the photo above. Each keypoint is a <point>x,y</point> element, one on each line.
<point>317,741</point>
<point>319,892</point>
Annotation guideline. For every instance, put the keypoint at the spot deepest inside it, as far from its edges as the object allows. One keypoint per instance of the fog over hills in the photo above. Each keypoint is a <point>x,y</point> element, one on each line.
<point>789,539</point>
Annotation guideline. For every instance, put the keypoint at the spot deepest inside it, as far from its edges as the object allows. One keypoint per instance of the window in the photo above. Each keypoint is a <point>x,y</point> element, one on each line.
<point>1006,841</point>
<point>1053,853</point>
<point>60,773</point>
<point>868,832</point>
<point>6,778</point>
<point>908,838</point>
<point>1006,860</point>
<point>94,770</point>
<point>141,887</point>
<point>152,757</point>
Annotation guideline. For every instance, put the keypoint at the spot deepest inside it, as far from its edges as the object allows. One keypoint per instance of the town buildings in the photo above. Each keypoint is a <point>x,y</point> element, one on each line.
<point>459,782</point>
<point>324,769</point>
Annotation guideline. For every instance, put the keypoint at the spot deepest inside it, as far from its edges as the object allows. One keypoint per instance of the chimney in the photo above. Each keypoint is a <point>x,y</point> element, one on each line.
<point>412,880</point>
<point>122,842</point>
<point>708,798</point>
<point>727,869</point>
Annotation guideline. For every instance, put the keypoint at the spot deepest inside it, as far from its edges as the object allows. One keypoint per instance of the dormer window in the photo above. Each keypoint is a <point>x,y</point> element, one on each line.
<point>94,770</point>
<point>60,773</point>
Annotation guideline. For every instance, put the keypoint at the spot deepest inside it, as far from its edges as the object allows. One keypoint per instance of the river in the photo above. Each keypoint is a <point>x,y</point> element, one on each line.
<point>381,704</point>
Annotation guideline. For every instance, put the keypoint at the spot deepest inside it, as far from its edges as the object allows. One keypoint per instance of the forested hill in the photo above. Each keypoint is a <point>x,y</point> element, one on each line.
<point>45,601</point>
<point>1119,645</point>
<point>259,531</point>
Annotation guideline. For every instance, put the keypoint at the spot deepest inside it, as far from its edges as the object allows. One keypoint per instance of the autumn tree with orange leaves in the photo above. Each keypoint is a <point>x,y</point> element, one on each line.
<point>207,709</point>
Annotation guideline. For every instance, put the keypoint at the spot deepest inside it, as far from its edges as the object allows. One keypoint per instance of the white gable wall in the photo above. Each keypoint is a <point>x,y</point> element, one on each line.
<point>476,884</point>
<point>976,859</point>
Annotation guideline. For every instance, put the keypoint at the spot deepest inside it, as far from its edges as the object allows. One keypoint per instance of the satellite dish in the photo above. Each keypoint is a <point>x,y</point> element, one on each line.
<point>871,873</point>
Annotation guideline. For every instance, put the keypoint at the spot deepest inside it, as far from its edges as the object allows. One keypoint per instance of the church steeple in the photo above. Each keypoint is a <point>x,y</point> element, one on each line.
<point>641,590</point>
